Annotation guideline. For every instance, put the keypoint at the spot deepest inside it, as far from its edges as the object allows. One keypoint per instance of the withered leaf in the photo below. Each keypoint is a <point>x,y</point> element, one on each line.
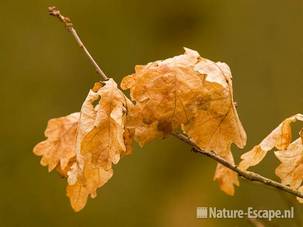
<point>291,168</point>
<point>88,181</point>
<point>191,93</point>
<point>162,91</point>
<point>100,142</point>
<point>226,178</point>
<point>290,171</point>
<point>279,138</point>
<point>216,127</point>
<point>59,148</point>
<point>83,146</point>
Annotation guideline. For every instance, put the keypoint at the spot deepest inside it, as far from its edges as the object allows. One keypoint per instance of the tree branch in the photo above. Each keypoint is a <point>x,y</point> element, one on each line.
<point>244,174</point>
<point>53,11</point>
<point>251,176</point>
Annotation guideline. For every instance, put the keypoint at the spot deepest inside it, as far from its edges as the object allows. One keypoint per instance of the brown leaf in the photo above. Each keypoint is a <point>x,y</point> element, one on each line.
<point>100,142</point>
<point>88,181</point>
<point>191,93</point>
<point>291,168</point>
<point>59,148</point>
<point>216,127</point>
<point>279,138</point>
<point>87,143</point>
<point>290,171</point>
<point>227,178</point>
<point>162,92</point>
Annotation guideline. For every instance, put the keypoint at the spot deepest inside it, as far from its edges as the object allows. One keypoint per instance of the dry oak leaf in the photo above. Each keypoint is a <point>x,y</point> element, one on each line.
<point>162,92</point>
<point>226,177</point>
<point>216,127</point>
<point>84,145</point>
<point>279,138</point>
<point>290,170</point>
<point>192,93</point>
<point>100,142</point>
<point>59,148</point>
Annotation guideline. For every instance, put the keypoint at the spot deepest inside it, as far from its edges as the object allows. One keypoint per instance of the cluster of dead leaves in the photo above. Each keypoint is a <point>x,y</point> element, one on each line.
<point>186,93</point>
<point>84,146</point>
<point>289,153</point>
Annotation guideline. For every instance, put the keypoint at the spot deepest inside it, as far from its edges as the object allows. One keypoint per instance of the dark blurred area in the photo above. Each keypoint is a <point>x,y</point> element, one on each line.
<point>45,75</point>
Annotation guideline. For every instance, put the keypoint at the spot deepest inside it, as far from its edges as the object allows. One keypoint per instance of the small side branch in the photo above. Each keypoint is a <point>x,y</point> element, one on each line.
<point>53,11</point>
<point>245,174</point>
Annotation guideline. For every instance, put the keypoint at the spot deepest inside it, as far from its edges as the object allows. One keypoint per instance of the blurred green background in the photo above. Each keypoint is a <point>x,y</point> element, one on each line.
<point>45,75</point>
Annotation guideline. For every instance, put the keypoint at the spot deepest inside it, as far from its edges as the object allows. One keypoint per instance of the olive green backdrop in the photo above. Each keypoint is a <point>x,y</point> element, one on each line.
<point>43,74</point>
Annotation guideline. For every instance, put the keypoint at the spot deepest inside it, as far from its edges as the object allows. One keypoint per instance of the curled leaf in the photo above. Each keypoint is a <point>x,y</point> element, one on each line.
<point>291,168</point>
<point>83,146</point>
<point>59,147</point>
<point>88,181</point>
<point>217,126</point>
<point>100,142</point>
<point>186,92</point>
<point>290,171</point>
<point>227,178</point>
<point>279,138</point>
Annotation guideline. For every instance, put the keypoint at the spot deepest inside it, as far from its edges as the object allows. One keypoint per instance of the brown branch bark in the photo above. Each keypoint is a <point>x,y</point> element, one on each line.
<point>53,11</point>
<point>251,176</point>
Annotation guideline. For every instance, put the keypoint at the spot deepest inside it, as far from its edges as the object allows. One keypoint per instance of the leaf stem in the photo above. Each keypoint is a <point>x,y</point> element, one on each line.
<point>53,11</point>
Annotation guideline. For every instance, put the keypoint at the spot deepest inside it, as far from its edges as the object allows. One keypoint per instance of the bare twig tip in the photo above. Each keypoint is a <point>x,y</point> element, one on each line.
<point>54,11</point>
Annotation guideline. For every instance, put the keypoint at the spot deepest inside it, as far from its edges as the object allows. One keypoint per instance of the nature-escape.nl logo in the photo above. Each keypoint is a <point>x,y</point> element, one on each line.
<point>250,212</point>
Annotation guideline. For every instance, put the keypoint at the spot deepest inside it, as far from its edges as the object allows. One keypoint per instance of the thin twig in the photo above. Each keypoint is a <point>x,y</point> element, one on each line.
<point>245,174</point>
<point>53,11</point>
<point>251,176</point>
